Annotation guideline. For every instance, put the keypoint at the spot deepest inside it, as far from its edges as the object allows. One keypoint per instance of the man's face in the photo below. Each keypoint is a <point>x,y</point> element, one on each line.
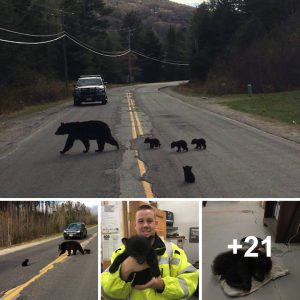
<point>145,223</point>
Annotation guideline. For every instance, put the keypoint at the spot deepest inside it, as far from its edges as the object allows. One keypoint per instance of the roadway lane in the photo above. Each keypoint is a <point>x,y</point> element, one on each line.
<point>74,278</point>
<point>240,161</point>
<point>37,169</point>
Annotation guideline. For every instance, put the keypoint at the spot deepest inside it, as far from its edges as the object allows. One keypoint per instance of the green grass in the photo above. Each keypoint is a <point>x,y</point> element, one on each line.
<point>284,106</point>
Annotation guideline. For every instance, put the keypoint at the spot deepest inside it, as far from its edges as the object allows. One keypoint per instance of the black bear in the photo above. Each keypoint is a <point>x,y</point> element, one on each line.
<point>180,144</point>
<point>188,174</point>
<point>153,142</point>
<point>85,131</point>
<point>200,143</point>
<point>70,246</point>
<point>139,247</point>
<point>25,262</point>
<point>238,270</point>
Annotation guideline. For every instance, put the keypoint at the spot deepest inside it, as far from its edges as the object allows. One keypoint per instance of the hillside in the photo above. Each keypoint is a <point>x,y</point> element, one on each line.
<point>159,14</point>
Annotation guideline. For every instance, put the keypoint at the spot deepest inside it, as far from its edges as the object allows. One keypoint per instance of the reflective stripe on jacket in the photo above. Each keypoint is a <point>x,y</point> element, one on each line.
<point>179,276</point>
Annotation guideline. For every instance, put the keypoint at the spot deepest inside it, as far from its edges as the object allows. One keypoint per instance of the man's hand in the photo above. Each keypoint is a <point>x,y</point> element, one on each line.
<point>130,265</point>
<point>155,283</point>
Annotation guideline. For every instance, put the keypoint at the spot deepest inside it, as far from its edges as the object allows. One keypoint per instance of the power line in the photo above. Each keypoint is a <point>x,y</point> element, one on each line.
<point>32,43</point>
<point>97,52</point>
<point>85,46</point>
<point>159,60</point>
<point>28,34</point>
<point>93,48</point>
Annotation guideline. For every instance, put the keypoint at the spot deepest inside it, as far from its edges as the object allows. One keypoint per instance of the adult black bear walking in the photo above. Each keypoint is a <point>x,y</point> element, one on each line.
<point>86,131</point>
<point>70,246</point>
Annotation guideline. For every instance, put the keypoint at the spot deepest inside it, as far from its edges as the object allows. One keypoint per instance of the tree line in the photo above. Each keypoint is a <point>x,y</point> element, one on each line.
<point>228,44</point>
<point>236,42</point>
<point>21,221</point>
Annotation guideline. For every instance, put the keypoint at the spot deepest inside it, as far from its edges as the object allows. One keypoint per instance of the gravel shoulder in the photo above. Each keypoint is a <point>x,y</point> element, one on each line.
<point>287,131</point>
<point>14,129</point>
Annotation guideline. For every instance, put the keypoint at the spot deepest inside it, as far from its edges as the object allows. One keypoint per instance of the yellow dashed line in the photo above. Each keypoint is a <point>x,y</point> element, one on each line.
<point>15,292</point>
<point>137,127</point>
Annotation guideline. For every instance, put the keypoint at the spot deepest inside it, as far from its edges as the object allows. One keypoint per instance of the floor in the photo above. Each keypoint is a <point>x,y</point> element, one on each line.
<point>225,221</point>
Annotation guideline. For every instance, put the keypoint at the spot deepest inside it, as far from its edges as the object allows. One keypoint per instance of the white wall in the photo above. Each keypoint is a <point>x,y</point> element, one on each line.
<point>186,215</point>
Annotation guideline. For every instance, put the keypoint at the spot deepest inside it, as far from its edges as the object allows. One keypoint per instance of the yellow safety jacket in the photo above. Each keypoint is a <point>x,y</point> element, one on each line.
<point>179,276</point>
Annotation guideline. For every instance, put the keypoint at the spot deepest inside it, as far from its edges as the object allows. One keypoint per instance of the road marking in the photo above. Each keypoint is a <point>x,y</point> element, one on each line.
<point>136,129</point>
<point>14,293</point>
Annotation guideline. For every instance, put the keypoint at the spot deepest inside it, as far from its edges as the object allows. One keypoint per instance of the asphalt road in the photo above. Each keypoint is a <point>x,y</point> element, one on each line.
<point>240,161</point>
<point>76,277</point>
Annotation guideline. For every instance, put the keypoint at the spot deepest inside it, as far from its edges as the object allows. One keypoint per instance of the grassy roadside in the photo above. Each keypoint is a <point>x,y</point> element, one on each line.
<point>31,109</point>
<point>283,106</point>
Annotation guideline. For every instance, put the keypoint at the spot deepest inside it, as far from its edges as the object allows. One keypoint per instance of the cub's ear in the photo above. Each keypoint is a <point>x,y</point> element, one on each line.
<point>124,241</point>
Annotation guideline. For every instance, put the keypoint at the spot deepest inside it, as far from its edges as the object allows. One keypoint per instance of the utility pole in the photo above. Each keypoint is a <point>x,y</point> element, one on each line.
<point>65,52</point>
<point>129,55</point>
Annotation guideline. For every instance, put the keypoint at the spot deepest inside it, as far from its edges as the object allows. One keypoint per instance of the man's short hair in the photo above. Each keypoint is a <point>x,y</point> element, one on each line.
<point>145,207</point>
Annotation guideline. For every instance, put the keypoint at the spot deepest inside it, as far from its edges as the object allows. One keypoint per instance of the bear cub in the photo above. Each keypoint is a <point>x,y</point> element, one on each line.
<point>189,177</point>
<point>86,131</point>
<point>138,247</point>
<point>25,262</point>
<point>70,246</point>
<point>153,142</point>
<point>238,270</point>
<point>200,143</point>
<point>180,144</point>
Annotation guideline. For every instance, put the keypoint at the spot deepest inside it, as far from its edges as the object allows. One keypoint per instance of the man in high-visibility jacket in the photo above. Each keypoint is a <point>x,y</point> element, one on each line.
<point>178,280</point>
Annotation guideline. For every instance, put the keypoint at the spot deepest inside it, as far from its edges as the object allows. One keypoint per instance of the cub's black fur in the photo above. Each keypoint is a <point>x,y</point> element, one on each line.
<point>238,270</point>
<point>188,174</point>
<point>200,143</point>
<point>153,142</point>
<point>87,251</point>
<point>70,246</point>
<point>86,131</point>
<point>139,248</point>
<point>180,144</point>
<point>25,262</point>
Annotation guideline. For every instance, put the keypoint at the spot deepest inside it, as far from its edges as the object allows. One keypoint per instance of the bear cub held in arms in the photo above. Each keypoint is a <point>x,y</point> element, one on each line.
<point>70,246</point>
<point>180,144</point>
<point>238,270</point>
<point>153,142</point>
<point>140,249</point>
<point>86,131</point>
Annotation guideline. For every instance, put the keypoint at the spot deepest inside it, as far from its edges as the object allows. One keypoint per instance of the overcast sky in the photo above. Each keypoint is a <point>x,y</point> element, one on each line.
<point>189,2</point>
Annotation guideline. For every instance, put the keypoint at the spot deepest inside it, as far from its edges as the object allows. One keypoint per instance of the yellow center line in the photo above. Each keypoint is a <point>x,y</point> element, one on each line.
<point>13,293</point>
<point>133,128</point>
<point>137,127</point>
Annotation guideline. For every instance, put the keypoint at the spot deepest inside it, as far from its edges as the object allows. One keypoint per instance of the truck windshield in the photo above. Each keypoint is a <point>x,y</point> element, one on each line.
<point>89,81</point>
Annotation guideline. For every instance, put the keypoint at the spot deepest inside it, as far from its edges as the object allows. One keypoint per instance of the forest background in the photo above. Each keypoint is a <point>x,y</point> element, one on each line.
<point>22,221</point>
<point>226,44</point>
